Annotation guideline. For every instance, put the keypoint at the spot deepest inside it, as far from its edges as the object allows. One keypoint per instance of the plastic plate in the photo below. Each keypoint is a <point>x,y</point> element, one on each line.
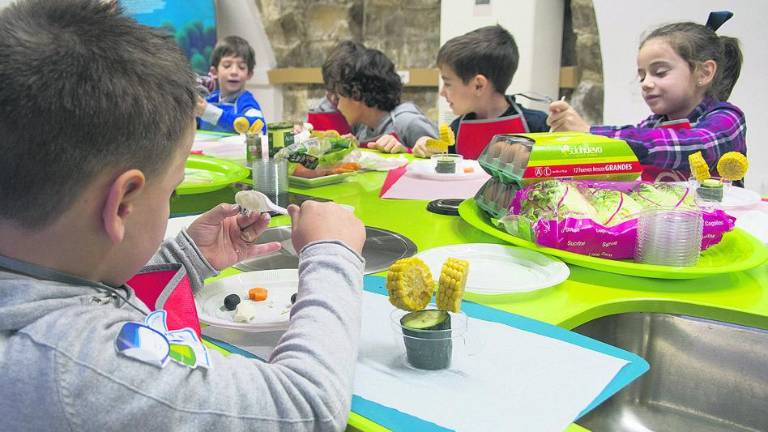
<point>318,181</point>
<point>273,313</point>
<point>737,251</point>
<point>205,174</point>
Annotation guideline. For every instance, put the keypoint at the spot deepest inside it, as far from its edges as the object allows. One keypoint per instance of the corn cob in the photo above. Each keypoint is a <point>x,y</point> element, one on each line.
<point>256,127</point>
<point>241,125</point>
<point>446,134</point>
<point>699,167</point>
<point>453,279</point>
<point>732,166</point>
<point>410,284</point>
<point>437,146</point>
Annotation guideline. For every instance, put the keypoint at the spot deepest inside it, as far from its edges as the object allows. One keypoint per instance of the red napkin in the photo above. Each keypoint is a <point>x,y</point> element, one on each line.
<point>392,177</point>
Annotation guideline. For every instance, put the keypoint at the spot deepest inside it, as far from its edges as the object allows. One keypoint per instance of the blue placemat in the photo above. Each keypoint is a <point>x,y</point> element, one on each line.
<point>398,421</point>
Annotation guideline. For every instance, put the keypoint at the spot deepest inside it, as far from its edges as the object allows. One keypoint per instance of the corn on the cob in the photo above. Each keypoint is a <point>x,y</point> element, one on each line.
<point>446,134</point>
<point>453,279</point>
<point>437,146</point>
<point>241,125</point>
<point>732,166</point>
<point>410,284</point>
<point>699,167</point>
<point>256,127</point>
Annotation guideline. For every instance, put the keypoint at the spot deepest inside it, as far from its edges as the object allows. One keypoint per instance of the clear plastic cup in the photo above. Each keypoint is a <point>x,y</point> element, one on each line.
<point>670,237</point>
<point>270,177</point>
<point>433,349</point>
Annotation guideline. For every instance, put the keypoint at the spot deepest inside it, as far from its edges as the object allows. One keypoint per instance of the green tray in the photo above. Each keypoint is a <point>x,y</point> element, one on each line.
<point>206,174</point>
<point>318,181</point>
<point>737,251</point>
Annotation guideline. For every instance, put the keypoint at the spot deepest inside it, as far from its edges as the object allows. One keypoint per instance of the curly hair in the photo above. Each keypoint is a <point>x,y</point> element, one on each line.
<point>370,78</point>
<point>337,58</point>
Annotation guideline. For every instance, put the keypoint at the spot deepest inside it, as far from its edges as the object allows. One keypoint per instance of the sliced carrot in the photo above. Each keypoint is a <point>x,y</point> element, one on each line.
<point>468,170</point>
<point>257,294</point>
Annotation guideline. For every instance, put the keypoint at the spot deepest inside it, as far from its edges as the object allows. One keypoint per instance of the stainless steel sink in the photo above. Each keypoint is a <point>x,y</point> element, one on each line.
<point>705,375</point>
<point>381,249</point>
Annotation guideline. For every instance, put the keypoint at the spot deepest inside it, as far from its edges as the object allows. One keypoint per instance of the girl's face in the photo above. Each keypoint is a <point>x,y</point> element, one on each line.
<point>668,84</point>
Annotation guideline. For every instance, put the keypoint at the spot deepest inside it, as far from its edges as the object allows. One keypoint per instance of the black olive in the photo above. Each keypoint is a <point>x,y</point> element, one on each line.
<point>293,298</point>
<point>231,301</point>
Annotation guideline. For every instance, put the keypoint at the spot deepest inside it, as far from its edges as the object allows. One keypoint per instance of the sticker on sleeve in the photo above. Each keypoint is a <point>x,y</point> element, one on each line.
<point>151,342</point>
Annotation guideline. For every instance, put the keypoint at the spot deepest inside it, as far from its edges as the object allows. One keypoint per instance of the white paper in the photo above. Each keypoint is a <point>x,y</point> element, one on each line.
<point>507,379</point>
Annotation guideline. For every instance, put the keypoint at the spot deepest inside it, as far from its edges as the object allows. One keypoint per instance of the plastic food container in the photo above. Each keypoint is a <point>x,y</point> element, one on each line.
<point>432,349</point>
<point>528,158</point>
<point>447,163</point>
<point>495,197</point>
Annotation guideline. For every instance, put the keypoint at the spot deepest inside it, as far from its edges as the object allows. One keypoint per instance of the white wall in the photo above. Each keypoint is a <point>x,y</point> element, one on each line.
<point>619,39</point>
<point>537,26</point>
<point>242,18</point>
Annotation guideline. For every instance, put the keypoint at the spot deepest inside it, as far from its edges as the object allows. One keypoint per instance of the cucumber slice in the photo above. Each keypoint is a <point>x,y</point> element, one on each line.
<point>427,320</point>
<point>712,183</point>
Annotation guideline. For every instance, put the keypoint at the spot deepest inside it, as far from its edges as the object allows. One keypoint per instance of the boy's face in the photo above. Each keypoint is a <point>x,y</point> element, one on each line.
<point>145,228</point>
<point>460,96</point>
<point>666,80</point>
<point>350,109</point>
<point>232,74</point>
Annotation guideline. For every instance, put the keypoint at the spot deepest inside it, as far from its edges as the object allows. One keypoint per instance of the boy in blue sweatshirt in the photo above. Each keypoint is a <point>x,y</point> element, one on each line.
<point>232,63</point>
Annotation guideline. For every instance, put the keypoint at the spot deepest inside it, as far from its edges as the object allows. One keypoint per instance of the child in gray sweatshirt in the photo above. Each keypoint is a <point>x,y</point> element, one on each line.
<point>97,119</point>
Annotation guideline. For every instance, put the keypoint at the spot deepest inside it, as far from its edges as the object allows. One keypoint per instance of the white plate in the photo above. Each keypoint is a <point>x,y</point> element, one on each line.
<point>175,225</point>
<point>425,168</point>
<point>272,313</point>
<point>735,197</point>
<point>499,269</point>
<point>231,148</point>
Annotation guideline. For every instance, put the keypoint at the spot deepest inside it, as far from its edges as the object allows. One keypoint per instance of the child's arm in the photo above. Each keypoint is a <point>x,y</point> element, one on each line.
<point>715,134</point>
<point>224,116</point>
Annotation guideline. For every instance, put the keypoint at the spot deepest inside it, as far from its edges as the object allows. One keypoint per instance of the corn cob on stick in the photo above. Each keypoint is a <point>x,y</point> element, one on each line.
<point>699,167</point>
<point>453,279</point>
<point>732,166</point>
<point>410,284</point>
<point>241,125</point>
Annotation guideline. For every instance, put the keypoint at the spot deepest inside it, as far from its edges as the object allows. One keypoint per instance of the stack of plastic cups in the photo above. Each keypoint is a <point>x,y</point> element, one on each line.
<point>669,237</point>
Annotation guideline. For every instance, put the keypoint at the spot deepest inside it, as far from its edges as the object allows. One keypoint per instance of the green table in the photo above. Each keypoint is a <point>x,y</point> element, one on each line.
<point>740,298</point>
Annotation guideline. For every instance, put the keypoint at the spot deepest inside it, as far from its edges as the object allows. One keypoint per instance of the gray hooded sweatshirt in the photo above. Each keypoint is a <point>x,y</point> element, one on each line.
<point>406,120</point>
<point>60,371</point>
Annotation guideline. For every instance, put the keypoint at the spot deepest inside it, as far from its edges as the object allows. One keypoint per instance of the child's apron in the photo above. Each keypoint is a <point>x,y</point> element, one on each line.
<point>167,286</point>
<point>653,173</point>
<point>474,135</point>
<point>334,120</point>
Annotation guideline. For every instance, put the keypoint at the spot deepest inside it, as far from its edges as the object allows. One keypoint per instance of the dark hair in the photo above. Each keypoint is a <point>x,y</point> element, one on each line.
<point>233,46</point>
<point>696,43</point>
<point>85,90</point>
<point>371,78</point>
<point>337,58</point>
<point>490,51</point>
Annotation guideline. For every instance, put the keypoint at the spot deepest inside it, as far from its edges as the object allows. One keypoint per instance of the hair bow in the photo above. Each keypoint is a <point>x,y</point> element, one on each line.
<point>718,18</point>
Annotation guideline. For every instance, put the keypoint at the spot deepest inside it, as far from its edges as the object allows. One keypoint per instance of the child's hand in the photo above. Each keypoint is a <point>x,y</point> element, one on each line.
<point>421,150</point>
<point>224,236</point>
<point>563,118</point>
<point>200,107</point>
<point>388,144</point>
<point>316,221</point>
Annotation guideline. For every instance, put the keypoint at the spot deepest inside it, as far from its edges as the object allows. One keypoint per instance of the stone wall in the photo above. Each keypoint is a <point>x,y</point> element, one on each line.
<point>581,48</point>
<point>303,31</point>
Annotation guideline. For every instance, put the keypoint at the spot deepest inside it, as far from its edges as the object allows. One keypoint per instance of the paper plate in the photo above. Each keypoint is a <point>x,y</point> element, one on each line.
<point>498,269</point>
<point>205,174</point>
<point>735,197</point>
<point>737,251</point>
<point>273,313</point>
<point>425,168</point>
<point>230,148</point>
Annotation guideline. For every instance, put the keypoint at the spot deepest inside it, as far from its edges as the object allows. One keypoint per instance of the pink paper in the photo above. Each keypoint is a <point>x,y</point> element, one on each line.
<point>411,187</point>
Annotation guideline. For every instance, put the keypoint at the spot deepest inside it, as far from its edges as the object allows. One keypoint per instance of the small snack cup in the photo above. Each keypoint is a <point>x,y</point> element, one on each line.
<point>709,191</point>
<point>447,163</point>
<point>432,338</point>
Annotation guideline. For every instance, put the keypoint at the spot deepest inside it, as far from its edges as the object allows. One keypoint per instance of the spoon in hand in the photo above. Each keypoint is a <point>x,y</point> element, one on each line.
<point>255,201</point>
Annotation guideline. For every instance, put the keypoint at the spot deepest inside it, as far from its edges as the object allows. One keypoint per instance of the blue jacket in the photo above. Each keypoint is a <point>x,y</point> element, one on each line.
<point>220,114</point>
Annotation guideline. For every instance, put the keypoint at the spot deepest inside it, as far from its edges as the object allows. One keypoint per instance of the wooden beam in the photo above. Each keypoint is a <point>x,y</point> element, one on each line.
<point>415,77</point>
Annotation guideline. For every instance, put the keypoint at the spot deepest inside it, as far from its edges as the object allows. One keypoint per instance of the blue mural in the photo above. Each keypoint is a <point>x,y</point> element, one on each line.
<point>191,22</point>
